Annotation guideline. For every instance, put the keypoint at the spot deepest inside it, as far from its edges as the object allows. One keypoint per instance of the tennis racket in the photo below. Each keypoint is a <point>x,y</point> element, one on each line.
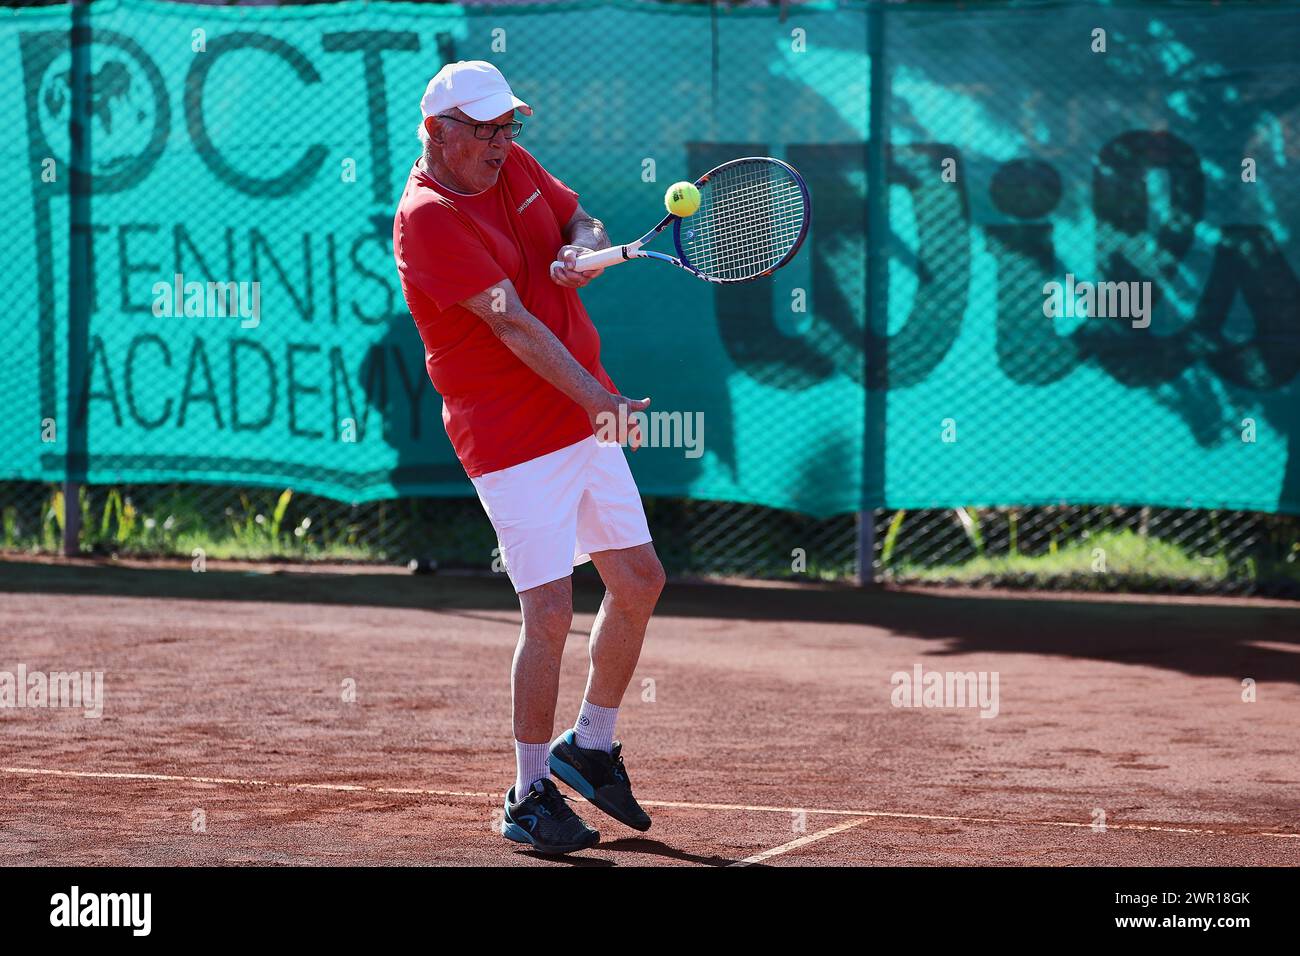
<point>753,217</point>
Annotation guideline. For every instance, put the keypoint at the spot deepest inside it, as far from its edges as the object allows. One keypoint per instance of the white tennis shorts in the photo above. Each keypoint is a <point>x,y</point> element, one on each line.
<point>552,512</point>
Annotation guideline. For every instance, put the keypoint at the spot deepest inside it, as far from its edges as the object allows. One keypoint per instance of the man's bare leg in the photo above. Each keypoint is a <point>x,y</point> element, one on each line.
<point>535,682</point>
<point>535,674</point>
<point>633,579</point>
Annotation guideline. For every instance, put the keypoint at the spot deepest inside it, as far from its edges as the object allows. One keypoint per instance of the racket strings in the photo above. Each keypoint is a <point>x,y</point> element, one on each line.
<point>740,230</point>
<point>751,216</point>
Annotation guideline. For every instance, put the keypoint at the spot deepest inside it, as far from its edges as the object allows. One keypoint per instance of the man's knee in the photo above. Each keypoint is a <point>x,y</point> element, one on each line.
<point>642,580</point>
<point>654,577</point>
<point>548,610</point>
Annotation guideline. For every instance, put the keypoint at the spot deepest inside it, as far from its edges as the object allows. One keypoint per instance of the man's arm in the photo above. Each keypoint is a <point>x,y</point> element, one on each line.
<point>586,231</point>
<point>538,348</point>
<point>582,233</point>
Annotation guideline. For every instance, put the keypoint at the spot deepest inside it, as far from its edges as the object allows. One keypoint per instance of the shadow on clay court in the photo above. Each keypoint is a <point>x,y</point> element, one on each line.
<point>638,845</point>
<point>642,845</point>
<point>1212,638</point>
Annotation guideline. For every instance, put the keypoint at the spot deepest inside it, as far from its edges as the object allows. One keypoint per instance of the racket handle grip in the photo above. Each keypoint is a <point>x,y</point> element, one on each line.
<point>590,261</point>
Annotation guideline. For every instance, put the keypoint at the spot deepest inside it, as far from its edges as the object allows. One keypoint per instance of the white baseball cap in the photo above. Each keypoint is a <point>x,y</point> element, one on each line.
<point>476,86</point>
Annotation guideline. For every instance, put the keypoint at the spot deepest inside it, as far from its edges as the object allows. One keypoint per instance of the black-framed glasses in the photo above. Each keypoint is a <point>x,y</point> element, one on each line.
<point>488,130</point>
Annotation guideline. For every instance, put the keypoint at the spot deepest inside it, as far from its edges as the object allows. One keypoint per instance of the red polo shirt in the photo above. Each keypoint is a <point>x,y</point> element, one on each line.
<point>449,246</point>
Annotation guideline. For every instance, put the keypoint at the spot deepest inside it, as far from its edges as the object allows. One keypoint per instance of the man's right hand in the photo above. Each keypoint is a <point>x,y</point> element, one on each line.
<point>608,425</point>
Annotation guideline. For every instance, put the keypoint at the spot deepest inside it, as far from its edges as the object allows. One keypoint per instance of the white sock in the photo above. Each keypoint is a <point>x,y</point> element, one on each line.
<point>595,727</point>
<point>530,766</point>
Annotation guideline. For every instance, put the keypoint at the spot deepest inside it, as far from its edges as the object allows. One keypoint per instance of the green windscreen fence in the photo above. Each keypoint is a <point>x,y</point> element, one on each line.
<point>1052,257</point>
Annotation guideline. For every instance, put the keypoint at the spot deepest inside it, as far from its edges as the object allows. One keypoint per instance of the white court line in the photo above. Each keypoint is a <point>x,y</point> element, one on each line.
<point>935,816</point>
<point>671,804</point>
<point>170,778</point>
<point>795,844</point>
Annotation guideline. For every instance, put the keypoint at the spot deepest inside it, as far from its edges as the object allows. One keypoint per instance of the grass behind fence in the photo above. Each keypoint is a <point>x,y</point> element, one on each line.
<point>1092,549</point>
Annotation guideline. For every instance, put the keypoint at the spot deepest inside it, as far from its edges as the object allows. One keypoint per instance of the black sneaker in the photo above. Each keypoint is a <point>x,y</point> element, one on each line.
<point>544,820</point>
<point>600,777</point>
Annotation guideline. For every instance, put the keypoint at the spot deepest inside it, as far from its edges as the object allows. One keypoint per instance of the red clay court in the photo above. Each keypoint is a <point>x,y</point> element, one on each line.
<point>758,729</point>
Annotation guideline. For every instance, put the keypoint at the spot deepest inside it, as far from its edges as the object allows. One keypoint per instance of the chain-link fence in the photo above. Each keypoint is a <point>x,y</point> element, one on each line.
<point>1103,547</point>
<point>1010,160</point>
<point>693,537</point>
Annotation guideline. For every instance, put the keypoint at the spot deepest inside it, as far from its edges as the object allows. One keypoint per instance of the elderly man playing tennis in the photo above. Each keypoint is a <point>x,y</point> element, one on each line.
<point>485,241</point>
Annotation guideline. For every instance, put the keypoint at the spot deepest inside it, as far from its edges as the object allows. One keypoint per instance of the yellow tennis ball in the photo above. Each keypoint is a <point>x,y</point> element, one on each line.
<point>682,199</point>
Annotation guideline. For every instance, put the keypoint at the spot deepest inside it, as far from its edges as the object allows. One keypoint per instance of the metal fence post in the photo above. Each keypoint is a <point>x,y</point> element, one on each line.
<point>71,518</point>
<point>866,521</point>
<point>80,179</point>
<point>874,349</point>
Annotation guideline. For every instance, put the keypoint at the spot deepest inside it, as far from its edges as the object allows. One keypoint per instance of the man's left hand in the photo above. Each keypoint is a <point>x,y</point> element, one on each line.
<point>563,271</point>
